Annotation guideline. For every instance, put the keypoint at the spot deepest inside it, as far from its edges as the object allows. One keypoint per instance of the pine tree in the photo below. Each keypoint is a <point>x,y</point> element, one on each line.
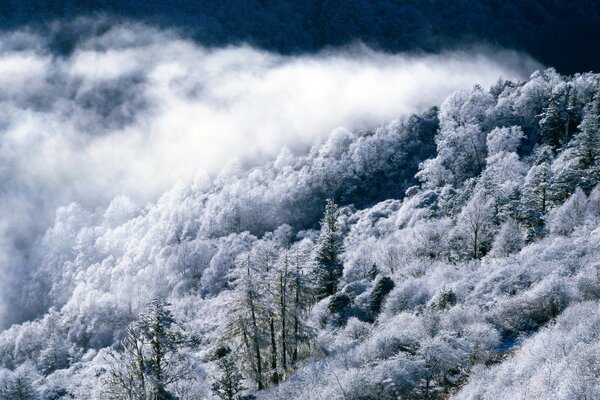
<point>579,164</point>
<point>588,140</point>
<point>265,256</point>
<point>282,312</point>
<point>382,288</point>
<point>587,146</point>
<point>229,382</point>
<point>558,120</point>
<point>151,362</point>
<point>328,267</point>
<point>19,384</point>
<point>56,353</point>
<point>536,196</point>
<point>247,325</point>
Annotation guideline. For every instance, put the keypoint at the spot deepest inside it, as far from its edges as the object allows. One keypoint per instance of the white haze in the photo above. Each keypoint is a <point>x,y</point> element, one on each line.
<point>137,109</point>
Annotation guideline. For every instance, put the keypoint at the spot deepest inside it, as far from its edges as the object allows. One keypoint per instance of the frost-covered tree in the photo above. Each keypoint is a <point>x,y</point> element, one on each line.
<point>301,291</point>
<point>247,326</point>
<point>269,302</point>
<point>501,181</point>
<point>19,384</point>
<point>461,149</point>
<point>229,382</point>
<point>556,120</point>
<point>222,253</point>
<point>587,141</point>
<point>509,239</point>
<point>328,267</point>
<point>579,164</point>
<point>535,202</point>
<point>564,219</point>
<point>504,140</point>
<point>151,363</point>
<point>475,228</point>
<point>382,289</point>
<point>55,355</point>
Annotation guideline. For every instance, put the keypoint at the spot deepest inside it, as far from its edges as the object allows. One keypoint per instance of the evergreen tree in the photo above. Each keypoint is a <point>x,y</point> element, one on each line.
<point>382,288</point>
<point>151,362</point>
<point>559,119</point>
<point>587,141</point>
<point>579,164</point>
<point>229,382</point>
<point>56,353</point>
<point>536,197</point>
<point>19,384</point>
<point>587,146</point>
<point>268,311</point>
<point>328,267</point>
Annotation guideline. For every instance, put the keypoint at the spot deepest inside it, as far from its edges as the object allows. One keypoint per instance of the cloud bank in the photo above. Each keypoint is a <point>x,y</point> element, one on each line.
<point>135,110</point>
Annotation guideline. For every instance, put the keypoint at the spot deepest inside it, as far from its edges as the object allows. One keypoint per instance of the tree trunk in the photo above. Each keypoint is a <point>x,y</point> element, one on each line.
<point>255,338</point>
<point>259,383</point>
<point>296,312</point>
<point>274,376</point>
<point>475,238</point>
<point>283,311</point>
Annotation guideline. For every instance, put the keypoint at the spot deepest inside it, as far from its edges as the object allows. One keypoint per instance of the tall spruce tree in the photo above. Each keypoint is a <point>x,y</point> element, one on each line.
<point>328,267</point>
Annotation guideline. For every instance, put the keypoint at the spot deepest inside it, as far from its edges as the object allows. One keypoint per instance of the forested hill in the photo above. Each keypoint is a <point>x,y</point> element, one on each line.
<point>558,33</point>
<point>448,254</point>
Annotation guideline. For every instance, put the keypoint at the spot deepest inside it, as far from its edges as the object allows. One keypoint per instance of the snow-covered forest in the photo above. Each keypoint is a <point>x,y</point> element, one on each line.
<point>450,253</point>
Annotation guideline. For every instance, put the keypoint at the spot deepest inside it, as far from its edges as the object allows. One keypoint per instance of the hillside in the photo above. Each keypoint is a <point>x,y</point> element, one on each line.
<point>448,254</point>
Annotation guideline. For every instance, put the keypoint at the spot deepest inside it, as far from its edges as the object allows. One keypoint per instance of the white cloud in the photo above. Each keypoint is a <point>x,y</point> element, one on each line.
<point>135,110</point>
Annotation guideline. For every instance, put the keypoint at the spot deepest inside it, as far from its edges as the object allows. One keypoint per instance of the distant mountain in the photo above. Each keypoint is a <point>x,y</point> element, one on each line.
<point>558,33</point>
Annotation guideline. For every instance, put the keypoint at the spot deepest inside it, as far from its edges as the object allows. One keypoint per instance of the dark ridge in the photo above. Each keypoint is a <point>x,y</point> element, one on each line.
<point>557,33</point>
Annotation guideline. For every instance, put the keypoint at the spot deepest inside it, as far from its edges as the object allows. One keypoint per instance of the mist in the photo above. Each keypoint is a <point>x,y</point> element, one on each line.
<point>135,110</point>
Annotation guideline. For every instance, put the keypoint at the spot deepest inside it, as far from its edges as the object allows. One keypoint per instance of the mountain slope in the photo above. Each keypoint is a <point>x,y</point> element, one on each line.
<point>467,236</point>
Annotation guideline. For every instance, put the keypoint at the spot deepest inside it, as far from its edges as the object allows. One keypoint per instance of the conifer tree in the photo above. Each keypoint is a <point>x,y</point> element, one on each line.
<point>229,383</point>
<point>579,164</point>
<point>588,140</point>
<point>328,267</point>
<point>587,145</point>
<point>557,121</point>
<point>151,362</point>
<point>536,197</point>
<point>247,318</point>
